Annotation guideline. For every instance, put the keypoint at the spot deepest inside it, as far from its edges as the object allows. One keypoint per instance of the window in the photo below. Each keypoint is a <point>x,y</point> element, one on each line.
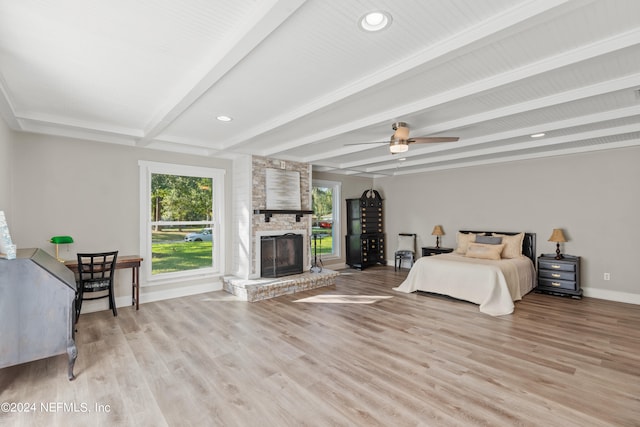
<point>325,199</point>
<point>181,208</point>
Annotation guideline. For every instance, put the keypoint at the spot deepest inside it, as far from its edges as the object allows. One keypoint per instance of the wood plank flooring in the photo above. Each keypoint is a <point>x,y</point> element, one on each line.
<point>409,360</point>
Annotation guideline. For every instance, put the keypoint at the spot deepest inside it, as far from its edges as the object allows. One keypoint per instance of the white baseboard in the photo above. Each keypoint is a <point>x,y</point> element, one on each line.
<point>125,301</point>
<point>338,266</point>
<point>612,295</point>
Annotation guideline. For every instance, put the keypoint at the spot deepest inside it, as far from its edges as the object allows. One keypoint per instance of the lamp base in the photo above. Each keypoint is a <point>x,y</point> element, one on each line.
<point>57,256</point>
<point>437,242</point>
<point>558,254</point>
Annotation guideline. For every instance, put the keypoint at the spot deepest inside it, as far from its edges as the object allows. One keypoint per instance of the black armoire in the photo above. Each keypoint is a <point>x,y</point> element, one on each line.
<point>365,230</point>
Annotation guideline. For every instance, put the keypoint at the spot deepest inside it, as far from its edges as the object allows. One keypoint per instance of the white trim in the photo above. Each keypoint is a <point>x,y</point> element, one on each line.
<point>617,296</point>
<point>336,194</point>
<point>125,300</point>
<point>217,175</point>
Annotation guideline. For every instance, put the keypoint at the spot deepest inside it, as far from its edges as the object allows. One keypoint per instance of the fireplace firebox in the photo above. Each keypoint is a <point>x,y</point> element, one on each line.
<point>281,255</point>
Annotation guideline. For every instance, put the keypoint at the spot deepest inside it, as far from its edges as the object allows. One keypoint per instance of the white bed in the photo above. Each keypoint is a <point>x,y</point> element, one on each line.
<point>492,284</point>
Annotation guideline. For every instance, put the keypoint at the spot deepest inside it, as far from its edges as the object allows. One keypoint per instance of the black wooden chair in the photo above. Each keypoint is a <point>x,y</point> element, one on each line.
<point>96,273</point>
<point>406,249</point>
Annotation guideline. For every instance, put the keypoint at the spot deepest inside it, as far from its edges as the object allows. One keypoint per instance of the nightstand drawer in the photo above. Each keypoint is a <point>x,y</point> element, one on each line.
<point>560,284</point>
<point>554,265</point>
<point>558,275</point>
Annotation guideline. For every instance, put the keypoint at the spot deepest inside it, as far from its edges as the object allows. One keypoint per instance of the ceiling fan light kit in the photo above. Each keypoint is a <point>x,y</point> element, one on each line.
<point>398,145</point>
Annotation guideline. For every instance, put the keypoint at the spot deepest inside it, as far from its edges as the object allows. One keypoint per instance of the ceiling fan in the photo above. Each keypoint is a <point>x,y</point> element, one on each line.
<point>400,140</point>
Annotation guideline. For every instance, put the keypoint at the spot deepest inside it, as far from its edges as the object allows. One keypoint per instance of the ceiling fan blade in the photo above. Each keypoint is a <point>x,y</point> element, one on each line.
<point>428,139</point>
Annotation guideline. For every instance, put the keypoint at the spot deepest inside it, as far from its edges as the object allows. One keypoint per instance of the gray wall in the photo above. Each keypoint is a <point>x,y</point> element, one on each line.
<point>594,197</point>
<point>45,182</point>
<point>6,160</point>
<point>90,191</point>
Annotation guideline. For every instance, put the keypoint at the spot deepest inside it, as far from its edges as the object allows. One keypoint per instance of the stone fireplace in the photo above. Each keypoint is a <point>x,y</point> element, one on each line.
<point>279,223</point>
<point>252,222</point>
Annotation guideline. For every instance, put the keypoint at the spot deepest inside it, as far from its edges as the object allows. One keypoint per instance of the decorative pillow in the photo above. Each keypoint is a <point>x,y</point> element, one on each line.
<point>463,241</point>
<point>483,251</point>
<point>512,245</point>
<point>488,240</point>
<point>406,243</point>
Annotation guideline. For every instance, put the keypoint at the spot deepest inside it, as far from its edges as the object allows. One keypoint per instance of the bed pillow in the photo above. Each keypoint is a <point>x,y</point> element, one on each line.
<point>484,251</point>
<point>463,242</point>
<point>488,240</point>
<point>512,245</point>
<point>406,243</point>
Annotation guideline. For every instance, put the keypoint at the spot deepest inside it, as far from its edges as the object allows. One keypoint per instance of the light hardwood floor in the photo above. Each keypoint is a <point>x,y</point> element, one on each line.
<point>210,360</point>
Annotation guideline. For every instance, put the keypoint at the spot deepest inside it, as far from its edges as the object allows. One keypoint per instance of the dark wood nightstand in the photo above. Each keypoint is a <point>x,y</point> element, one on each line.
<point>559,276</point>
<point>432,250</point>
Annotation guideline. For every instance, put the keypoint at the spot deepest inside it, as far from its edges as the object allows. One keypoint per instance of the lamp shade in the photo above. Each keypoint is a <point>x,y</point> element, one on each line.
<point>557,236</point>
<point>437,231</point>
<point>61,240</point>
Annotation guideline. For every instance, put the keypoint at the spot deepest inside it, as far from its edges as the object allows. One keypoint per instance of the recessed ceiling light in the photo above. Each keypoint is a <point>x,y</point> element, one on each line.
<point>402,159</point>
<point>538,135</point>
<point>375,21</point>
<point>224,118</point>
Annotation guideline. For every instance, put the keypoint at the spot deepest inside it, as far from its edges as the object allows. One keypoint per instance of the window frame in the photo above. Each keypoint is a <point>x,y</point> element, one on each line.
<point>336,187</point>
<point>146,169</point>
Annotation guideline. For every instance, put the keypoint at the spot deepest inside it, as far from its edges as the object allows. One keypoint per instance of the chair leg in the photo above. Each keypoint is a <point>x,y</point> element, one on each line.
<point>112,302</point>
<point>78,306</point>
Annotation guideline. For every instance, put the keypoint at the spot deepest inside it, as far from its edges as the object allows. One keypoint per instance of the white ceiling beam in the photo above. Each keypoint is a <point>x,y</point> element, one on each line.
<point>452,46</point>
<point>269,15</point>
<point>527,156</point>
<point>584,53</point>
<point>382,162</point>
<point>6,106</point>
<point>628,82</point>
<point>543,142</point>
<point>589,119</point>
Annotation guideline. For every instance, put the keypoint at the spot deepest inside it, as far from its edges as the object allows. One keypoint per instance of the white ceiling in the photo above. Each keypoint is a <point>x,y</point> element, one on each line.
<point>301,79</point>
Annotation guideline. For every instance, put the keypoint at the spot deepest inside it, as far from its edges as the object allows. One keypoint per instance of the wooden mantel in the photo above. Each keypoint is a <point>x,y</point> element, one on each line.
<point>268,213</point>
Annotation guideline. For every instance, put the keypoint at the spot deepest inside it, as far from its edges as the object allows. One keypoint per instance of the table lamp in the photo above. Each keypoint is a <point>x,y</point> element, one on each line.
<point>557,236</point>
<point>437,231</point>
<point>61,240</point>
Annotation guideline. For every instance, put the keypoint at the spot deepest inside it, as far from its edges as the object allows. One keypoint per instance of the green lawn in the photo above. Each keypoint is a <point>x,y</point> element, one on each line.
<point>171,253</point>
<point>324,246</point>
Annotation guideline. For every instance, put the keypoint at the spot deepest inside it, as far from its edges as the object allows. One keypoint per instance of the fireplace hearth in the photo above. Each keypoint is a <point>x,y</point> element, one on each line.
<point>281,255</point>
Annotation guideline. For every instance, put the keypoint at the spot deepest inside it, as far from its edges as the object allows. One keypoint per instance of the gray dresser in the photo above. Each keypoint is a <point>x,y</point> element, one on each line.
<point>37,309</point>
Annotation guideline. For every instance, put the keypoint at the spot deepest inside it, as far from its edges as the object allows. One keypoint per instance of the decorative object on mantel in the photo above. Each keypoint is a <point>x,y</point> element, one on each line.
<point>437,231</point>
<point>7,248</point>
<point>61,240</point>
<point>283,189</point>
<point>557,236</point>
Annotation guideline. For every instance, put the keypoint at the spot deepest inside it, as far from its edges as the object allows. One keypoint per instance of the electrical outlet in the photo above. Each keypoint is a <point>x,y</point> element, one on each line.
<point>607,276</point>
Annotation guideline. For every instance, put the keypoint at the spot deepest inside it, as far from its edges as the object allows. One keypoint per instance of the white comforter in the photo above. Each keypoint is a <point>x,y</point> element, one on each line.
<point>494,285</point>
